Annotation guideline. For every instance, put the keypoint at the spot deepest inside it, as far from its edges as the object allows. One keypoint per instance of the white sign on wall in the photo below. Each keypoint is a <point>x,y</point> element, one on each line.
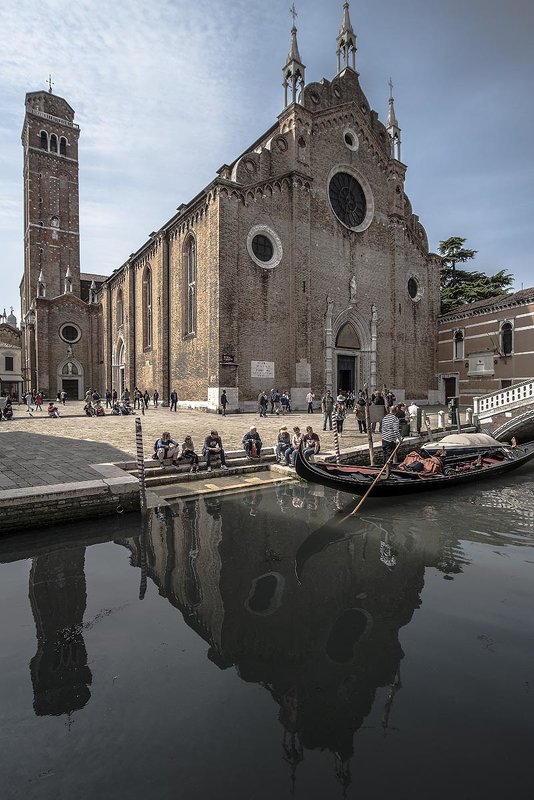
<point>262,369</point>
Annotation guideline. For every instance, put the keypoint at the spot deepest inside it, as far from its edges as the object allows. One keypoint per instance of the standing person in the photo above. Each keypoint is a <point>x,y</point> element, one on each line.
<point>38,400</point>
<point>95,397</point>
<point>273,392</point>
<point>252,443</point>
<point>173,400</point>
<point>284,400</point>
<point>224,402</point>
<point>377,411</point>
<point>262,404</point>
<point>146,398</point>
<point>390,432</point>
<point>359,411</point>
<point>340,413</point>
<point>109,398</point>
<point>114,397</point>
<point>155,398</point>
<point>63,397</point>
<point>309,399</point>
<point>327,407</point>
<point>29,399</point>
<point>125,396</point>
<point>213,447</point>
<point>390,399</point>
<point>138,398</point>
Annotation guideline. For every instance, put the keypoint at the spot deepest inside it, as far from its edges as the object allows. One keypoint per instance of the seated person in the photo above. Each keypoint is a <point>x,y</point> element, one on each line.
<point>89,410</point>
<point>283,442</point>
<point>188,454</point>
<point>295,444</point>
<point>52,410</point>
<point>252,443</point>
<point>213,447</point>
<point>99,409</point>
<point>165,447</point>
<point>310,442</point>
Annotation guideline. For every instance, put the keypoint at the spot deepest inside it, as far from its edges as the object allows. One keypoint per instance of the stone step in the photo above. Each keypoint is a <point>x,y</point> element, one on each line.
<point>172,476</point>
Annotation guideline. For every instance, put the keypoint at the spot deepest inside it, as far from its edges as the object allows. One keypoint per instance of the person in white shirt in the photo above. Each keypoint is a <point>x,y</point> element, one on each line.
<point>309,400</point>
<point>412,409</point>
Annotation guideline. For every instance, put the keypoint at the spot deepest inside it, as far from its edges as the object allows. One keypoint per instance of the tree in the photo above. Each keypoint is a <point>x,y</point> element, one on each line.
<point>460,286</point>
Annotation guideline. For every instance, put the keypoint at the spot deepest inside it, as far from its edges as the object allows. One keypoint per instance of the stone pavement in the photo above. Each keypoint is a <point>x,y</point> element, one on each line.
<point>38,450</point>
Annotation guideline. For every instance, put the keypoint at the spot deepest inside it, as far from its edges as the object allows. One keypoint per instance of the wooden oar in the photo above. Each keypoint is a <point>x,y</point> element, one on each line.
<point>369,490</point>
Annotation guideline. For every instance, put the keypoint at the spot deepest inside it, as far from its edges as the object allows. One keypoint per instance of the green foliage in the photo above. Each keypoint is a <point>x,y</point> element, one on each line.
<point>460,286</point>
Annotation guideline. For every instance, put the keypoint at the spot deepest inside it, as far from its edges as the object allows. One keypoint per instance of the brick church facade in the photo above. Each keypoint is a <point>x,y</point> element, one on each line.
<point>300,266</point>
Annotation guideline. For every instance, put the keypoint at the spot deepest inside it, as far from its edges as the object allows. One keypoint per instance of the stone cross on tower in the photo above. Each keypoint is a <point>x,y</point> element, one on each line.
<point>50,83</point>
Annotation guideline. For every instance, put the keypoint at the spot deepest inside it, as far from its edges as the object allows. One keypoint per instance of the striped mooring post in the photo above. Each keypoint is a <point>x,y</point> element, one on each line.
<point>336,442</point>
<point>140,464</point>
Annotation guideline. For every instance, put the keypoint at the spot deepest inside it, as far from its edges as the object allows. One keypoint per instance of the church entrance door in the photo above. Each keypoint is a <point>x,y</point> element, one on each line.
<point>346,373</point>
<point>71,387</point>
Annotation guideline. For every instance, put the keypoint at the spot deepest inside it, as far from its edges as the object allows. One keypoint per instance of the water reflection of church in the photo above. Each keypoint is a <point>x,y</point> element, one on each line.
<point>319,632</point>
<point>59,671</point>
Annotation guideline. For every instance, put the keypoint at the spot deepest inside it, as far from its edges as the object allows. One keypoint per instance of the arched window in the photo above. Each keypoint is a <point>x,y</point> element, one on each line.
<point>53,143</point>
<point>458,344</point>
<point>120,308</point>
<point>147,309</point>
<point>44,140</point>
<point>62,146</point>
<point>507,338</point>
<point>191,273</point>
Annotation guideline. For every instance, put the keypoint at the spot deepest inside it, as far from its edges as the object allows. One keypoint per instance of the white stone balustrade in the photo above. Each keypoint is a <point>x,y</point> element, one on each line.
<point>504,400</point>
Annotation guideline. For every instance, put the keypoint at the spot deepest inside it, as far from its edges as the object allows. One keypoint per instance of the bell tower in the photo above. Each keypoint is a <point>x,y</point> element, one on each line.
<point>51,199</point>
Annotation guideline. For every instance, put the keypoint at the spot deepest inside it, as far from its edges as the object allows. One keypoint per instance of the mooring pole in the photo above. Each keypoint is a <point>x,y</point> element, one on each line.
<point>140,465</point>
<point>368,426</point>
<point>336,442</point>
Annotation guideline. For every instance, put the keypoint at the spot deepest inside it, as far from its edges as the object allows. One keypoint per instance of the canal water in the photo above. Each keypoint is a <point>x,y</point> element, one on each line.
<point>262,646</point>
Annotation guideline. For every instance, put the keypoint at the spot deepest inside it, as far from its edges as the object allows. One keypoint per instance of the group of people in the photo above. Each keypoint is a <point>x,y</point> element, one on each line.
<point>280,402</point>
<point>166,447</point>
<point>286,448</point>
<point>378,406</point>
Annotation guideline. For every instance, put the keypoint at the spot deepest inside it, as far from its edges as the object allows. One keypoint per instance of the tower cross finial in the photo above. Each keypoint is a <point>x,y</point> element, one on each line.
<point>50,83</point>
<point>390,88</point>
<point>293,12</point>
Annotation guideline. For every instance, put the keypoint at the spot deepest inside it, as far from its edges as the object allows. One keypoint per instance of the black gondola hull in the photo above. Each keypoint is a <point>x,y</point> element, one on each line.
<point>407,483</point>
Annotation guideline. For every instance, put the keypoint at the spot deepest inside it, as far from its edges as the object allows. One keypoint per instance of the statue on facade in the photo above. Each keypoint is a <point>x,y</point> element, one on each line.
<point>352,289</point>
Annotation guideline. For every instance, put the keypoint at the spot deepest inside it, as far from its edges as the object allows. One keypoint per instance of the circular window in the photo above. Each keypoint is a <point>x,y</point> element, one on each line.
<point>264,247</point>
<point>351,139</point>
<point>348,200</point>
<point>70,333</point>
<point>414,290</point>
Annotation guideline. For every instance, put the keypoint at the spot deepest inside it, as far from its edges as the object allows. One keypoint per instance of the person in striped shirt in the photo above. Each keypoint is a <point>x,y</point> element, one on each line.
<point>390,432</point>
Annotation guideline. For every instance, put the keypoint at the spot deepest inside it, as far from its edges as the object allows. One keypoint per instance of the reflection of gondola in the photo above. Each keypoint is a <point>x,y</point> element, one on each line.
<point>357,479</point>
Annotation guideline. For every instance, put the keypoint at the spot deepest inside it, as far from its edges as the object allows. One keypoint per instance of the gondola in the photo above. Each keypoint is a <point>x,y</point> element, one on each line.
<point>356,479</point>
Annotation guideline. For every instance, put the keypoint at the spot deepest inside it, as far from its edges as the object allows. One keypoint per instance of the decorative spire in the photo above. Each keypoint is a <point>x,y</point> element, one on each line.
<point>92,292</point>
<point>294,69</point>
<point>392,126</point>
<point>346,42</point>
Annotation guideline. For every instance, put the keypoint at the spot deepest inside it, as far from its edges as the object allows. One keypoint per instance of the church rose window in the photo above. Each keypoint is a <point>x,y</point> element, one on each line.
<point>348,199</point>
<point>262,247</point>
<point>70,333</point>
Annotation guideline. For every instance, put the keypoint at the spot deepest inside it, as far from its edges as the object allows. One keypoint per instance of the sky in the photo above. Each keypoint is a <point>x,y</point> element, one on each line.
<point>167,91</point>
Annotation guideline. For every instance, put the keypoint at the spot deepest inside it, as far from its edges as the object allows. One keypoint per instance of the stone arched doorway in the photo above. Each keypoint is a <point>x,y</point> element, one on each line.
<point>70,378</point>
<point>350,349</point>
<point>119,367</point>
<point>347,360</point>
